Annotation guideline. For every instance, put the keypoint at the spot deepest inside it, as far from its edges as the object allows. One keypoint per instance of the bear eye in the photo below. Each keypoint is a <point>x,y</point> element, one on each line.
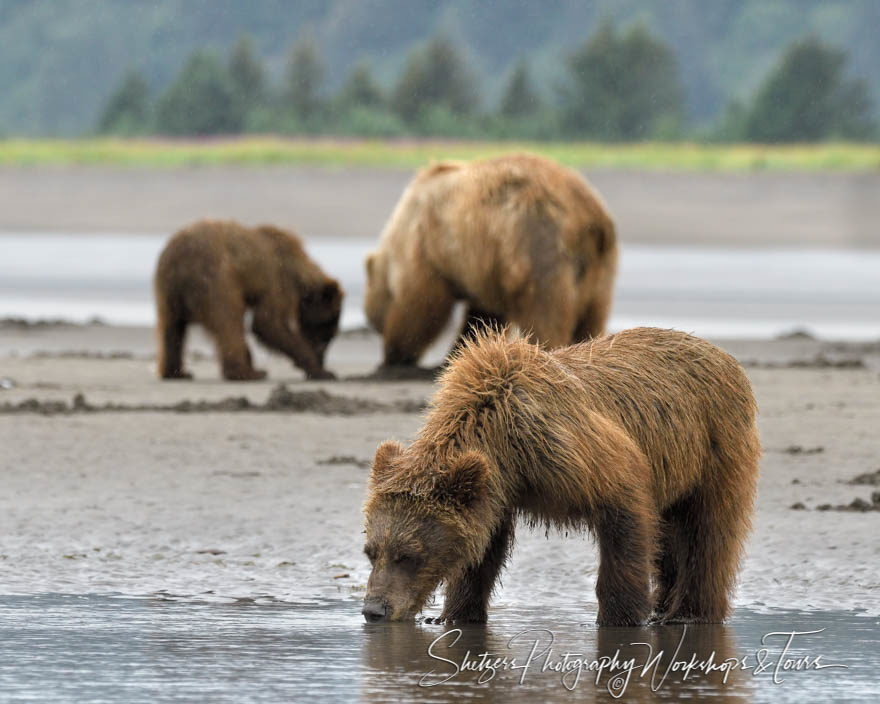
<point>406,560</point>
<point>370,552</point>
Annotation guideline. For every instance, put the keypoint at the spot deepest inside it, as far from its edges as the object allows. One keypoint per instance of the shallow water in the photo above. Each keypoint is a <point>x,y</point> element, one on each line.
<point>99,648</point>
<point>721,293</point>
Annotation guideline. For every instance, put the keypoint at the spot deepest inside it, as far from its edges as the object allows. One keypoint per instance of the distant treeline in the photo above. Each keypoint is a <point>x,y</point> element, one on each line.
<point>619,86</point>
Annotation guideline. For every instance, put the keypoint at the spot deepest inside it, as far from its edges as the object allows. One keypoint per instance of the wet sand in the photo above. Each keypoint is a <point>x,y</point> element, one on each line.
<point>115,482</point>
<point>761,209</point>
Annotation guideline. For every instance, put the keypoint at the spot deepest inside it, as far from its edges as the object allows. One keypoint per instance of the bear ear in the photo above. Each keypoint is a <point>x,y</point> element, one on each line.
<point>385,454</point>
<point>464,483</point>
<point>331,292</point>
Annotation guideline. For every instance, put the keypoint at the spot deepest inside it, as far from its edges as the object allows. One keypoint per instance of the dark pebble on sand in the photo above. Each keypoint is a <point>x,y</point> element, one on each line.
<point>346,459</point>
<point>868,478</point>
<point>801,450</point>
<point>860,505</point>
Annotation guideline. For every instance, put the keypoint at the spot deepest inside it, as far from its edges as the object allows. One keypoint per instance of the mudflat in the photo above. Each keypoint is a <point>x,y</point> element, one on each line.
<point>756,209</point>
<point>115,482</point>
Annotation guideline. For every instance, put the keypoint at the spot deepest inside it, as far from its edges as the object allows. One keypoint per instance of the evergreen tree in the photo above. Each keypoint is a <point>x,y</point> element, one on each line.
<point>808,98</point>
<point>520,98</point>
<point>435,76</point>
<point>127,111</point>
<point>303,80</point>
<point>360,88</point>
<point>200,100</point>
<point>246,73</point>
<point>622,87</point>
<point>731,127</point>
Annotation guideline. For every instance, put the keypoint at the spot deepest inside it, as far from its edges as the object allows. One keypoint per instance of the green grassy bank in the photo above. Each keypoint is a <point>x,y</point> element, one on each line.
<point>339,153</point>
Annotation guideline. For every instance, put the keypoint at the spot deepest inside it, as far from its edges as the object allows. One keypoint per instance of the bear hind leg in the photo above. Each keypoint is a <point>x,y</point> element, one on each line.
<point>671,560</point>
<point>626,537</point>
<point>467,597</point>
<point>705,545</point>
<point>227,327</point>
<point>172,336</point>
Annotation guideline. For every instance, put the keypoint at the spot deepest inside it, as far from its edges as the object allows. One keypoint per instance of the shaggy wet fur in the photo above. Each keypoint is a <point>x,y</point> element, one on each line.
<point>212,272</point>
<point>647,438</point>
<point>520,238</point>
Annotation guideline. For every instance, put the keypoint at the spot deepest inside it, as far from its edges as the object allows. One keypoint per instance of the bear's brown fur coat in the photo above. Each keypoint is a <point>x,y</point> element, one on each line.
<point>647,438</point>
<point>520,238</point>
<point>211,272</point>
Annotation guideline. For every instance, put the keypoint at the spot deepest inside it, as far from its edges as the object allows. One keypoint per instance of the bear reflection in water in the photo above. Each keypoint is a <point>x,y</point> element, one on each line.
<point>520,659</point>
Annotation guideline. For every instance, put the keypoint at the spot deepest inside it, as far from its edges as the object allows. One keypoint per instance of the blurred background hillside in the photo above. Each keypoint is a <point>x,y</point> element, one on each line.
<point>616,70</point>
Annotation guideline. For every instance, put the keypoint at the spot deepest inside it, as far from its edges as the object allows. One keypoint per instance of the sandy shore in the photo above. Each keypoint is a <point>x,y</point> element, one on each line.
<point>748,209</point>
<point>255,498</point>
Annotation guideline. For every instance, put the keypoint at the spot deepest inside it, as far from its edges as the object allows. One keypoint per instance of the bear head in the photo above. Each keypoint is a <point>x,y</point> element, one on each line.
<point>419,526</point>
<point>319,311</point>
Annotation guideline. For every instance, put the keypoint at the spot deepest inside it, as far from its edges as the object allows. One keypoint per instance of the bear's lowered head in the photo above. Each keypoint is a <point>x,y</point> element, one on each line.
<point>420,518</point>
<point>319,311</point>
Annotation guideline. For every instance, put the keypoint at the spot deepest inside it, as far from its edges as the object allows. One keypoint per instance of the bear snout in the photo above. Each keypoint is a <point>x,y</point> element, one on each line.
<point>375,610</point>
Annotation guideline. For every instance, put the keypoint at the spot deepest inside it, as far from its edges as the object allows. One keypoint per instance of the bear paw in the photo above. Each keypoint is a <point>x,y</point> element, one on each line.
<point>178,376</point>
<point>320,375</point>
<point>245,375</point>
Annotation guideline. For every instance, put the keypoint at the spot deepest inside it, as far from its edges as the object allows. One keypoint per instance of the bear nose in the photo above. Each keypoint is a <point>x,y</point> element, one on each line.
<point>375,610</point>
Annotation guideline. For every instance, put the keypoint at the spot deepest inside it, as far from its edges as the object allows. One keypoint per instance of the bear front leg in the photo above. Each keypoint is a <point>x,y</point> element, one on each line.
<point>548,316</point>
<point>419,312</point>
<point>626,535</point>
<point>271,328</point>
<point>467,596</point>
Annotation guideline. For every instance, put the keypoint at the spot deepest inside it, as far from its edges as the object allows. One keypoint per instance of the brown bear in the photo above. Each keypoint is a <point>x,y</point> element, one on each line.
<point>212,272</point>
<point>520,238</point>
<point>647,438</point>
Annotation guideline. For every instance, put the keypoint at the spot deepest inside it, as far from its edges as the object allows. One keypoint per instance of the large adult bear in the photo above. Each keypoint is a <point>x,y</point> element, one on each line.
<point>213,271</point>
<point>647,438</point>
<point>520,238</point>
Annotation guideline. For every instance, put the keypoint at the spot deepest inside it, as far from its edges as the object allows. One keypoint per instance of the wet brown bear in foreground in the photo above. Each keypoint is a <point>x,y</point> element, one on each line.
<point>519,238</point>
<point>647,438</point>
<point>212,272</point>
